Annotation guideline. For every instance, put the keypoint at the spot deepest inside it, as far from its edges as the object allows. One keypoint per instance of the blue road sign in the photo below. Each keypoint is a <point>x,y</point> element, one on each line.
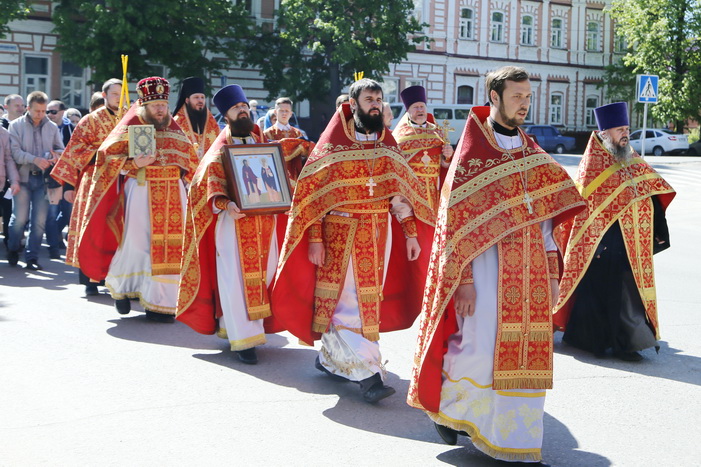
<point>647,88</point>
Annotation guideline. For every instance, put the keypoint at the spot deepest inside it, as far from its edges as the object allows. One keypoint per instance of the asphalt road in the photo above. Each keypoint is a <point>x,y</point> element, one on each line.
<point>80,385</point>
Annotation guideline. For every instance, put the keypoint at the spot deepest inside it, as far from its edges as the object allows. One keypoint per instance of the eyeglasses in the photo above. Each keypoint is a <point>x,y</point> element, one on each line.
<point>52,112</point>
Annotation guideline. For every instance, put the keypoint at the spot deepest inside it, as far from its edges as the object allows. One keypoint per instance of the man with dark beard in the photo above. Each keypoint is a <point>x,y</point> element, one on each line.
<point>607,294</point>
<point>338,278</point>
<point>193,116</point>
<point>229,258</point>
<point>133,227</point>
<point>76,166</point>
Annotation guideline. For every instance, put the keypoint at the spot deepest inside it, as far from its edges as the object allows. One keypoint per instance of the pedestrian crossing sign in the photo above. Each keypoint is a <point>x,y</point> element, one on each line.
<point>647,88</point>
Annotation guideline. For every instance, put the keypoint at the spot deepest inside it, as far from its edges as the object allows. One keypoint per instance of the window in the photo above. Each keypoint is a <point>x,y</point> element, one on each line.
<point>556,109</point>
<point>390,90</point>
<point>467,23</point>
<point>527,30</point>
<point>72,85</point>
<point>443,114</point>
<point>591,104</point>
<point>466,95</point>
<point>556,33</point>
<point>619,41</point>
<point>497,27</point>
<point>593,36</point>
<point>529,115</point>
<point>414,82</point>
<point>36,74</point>
<point>462,114</point>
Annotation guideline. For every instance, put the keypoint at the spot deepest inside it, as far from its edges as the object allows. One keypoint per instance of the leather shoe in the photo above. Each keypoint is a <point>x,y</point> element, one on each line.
<point>32,265</point>
<point>91,290</point>
<point>123,305</point>
<point>323,369</point>
<point>159,317</point>
<point>54,255</point>
<point>628,356</point>
<point>247,356</point>
<point>374,390</point>
<point>448,435</point>
<point>12,258</point>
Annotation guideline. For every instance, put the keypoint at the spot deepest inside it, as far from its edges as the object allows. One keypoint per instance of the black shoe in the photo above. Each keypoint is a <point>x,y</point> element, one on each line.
<point>628,356</point>
<point>32,265</point>
<point>247,356</point>
<point>123,306</point>
<point>12,258</point>
<point>448,435</point>
<point>159,317</point>
<point>323,369</point>
<point>91,290</point>
<point>374,390</point>
<point>54,255</point>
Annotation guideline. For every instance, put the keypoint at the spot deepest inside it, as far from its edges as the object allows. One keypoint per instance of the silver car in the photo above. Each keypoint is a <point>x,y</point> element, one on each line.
<point>659,142</point>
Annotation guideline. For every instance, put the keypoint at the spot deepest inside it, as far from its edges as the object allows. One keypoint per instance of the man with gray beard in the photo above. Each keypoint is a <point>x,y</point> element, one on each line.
<point>607,292</point>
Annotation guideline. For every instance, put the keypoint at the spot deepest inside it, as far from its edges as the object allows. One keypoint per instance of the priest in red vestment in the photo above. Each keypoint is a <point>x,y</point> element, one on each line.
<point>485,351</point>
<point>76,166</point>
<point>607,294</point>
<point>348,269</point>
<point>423,143</point>
<point>193,115</point>
<point>295,147</point>
<point>229,258</point>
<point>133,228</point>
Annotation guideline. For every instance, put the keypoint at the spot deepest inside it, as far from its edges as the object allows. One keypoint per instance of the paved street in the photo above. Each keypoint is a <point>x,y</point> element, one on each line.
<point>80,385</point>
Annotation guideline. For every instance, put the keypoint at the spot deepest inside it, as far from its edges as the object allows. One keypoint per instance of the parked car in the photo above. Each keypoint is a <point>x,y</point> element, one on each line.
<point>659,142</point>
<point>694,149</point>
<point>549,138</point>
<point>454,114</point>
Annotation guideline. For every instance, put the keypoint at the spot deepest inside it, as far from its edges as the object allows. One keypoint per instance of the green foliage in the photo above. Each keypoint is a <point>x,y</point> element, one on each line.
<point>317,45</point>
<point>665,40</point>
<point>11,10</point>
<point>180,34</point>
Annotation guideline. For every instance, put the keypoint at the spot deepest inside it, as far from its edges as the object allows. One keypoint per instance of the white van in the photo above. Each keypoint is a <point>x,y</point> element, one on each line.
<point>455,115</point>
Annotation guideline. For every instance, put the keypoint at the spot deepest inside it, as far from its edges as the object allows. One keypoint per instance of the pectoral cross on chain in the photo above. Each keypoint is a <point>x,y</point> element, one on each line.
<point>426,159</point>
<point>161,158</point>
<point>371,185</point>
<point>527,200</point>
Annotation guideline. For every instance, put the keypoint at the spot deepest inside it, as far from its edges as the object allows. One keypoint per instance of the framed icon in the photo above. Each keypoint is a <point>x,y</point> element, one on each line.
<point>257,178</point>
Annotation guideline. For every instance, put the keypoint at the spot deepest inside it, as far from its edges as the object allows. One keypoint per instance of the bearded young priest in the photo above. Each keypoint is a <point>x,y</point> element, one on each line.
<point>485,351</point>
<point>193,116</point>
<point>607,295</point>
<point>354,259</point>
<point>133,226</point>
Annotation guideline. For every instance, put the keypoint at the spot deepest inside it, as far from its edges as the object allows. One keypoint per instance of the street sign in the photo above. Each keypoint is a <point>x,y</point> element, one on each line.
<point>647,88</point>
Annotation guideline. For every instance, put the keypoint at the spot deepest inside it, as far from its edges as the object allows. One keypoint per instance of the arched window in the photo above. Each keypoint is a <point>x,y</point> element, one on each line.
<point>466,95</point>
<point>527,30</point>
<point>497,27</point>
<point>556,104</point>
<point>467,23</point>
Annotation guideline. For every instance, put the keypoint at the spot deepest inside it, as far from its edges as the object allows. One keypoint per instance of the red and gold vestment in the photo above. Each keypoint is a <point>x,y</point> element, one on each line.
<point>349,183</point>
<point>294,149</point>
<point>423,147</point>
<point>104,210</point>
<point>76,166</point>
<point>202,141</point>
<point>615,192</point>
<point>483,204</point>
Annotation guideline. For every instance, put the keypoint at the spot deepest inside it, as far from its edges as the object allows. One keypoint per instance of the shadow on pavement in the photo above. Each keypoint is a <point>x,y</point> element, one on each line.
<point>669,364</point>
<point>56,275</point>
<point>135,327</point>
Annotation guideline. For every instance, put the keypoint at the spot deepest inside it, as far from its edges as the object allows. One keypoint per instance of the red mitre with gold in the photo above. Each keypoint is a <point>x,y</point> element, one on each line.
<point>331,178</point>
<point>482,202</point>
<point>152,89</point>
<point>104,209</point>
<point>614,192</point>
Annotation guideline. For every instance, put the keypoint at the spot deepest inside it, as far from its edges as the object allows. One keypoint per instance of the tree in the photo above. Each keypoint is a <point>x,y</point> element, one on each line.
<point>317,45</point>
<point>183,35</point>
<point>665,39</point>
<point>11,10</point>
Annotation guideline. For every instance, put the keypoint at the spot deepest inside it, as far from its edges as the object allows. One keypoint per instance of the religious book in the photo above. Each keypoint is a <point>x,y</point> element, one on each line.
<point>142,140</point>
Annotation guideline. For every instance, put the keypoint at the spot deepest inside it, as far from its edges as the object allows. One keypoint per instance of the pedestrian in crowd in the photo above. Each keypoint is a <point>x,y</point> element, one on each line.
<point>74,116</point>
<point>341,99</point>
<point>486,355</point>
<point>133,227</point>
<point>295,150</point>
<point>607,294</point>
<point>36,144</point>
<point>59,209</point>
<point>229,258</point>
<point>14,108</point>
<point>387,115</point>
<point>193,115</point>
<point>422,142</point>
<point>254,109</point>
<point>334,281</point>
<point>8,170</point>
<point>96,101</point>
<point>76,166</point>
